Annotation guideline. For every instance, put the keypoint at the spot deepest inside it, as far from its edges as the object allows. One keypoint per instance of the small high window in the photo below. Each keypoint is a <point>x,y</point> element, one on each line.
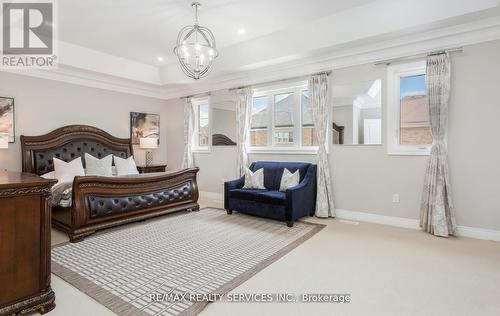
<point>202,126</point>
<point>409,129</point>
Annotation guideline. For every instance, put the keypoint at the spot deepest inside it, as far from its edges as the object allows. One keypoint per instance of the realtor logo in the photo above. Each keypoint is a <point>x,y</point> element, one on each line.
<point>28,35</point>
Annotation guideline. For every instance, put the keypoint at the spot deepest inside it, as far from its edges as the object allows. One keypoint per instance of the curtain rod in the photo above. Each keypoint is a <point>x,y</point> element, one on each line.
<point>421,55</point>
<point>204,94</point>
<point>258,84</point>
<point>281,80</point>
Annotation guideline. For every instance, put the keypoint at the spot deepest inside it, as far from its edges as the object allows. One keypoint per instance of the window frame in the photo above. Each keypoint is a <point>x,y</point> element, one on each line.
<point>195,146</point>
<point>272,148</point>
<point>394,75</point>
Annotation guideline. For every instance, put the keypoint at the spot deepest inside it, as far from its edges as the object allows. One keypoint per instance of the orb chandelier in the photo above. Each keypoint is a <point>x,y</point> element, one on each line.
<point>196,48</point>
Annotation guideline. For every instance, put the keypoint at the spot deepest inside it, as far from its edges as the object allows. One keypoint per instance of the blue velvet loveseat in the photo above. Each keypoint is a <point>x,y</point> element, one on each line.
<point>296,202</point>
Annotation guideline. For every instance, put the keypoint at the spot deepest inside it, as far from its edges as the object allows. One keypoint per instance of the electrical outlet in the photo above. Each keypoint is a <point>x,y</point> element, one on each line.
<point>395,198</point>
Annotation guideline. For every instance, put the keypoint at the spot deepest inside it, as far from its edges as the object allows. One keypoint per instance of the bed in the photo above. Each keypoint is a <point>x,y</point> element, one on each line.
<point>102,202</point>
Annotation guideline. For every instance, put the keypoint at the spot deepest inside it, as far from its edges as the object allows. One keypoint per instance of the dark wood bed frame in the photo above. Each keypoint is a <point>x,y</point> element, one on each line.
<point>103,202</point>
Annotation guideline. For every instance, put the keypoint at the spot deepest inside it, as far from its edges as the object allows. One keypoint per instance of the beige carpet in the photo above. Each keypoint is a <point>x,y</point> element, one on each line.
<point>132,269</point>
<point>389,271</point>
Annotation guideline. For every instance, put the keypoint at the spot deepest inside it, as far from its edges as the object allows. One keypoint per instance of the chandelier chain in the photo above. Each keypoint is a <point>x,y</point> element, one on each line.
<point>196,5</point>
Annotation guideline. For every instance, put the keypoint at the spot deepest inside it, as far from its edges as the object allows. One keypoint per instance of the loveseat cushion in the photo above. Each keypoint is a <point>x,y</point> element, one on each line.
<point>271,197</point>
<point>274,170</point>
<point>245,194</point>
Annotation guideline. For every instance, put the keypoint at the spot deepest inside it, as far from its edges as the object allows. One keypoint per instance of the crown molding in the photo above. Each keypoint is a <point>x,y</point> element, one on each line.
<point>370,51</point>
<point>95,80</point>
<point>406,45</point>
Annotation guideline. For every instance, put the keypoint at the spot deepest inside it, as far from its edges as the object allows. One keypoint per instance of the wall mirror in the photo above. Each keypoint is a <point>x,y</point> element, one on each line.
<point>223,119</point>
<point>357,113</point>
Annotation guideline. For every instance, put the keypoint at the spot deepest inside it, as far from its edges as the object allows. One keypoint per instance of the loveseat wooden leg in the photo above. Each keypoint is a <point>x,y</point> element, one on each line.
<point>289,223</point>
<point>229,212</point>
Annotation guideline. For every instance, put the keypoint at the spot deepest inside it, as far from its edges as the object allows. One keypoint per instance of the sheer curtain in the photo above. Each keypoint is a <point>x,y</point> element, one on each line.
<point>436,212</point>
<point>318,87</point>
<point>243,112</point>
<point>189,124</point>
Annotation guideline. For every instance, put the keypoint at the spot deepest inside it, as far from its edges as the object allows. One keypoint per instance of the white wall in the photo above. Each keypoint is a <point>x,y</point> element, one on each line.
<point>344,116</point>
<point>44,105</point>
<point>365,177</point>
<point>224,122</point>
<point>474,132</point>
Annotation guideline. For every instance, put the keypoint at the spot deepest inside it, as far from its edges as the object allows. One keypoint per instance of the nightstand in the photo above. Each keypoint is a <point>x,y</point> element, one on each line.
<point>151,169</point>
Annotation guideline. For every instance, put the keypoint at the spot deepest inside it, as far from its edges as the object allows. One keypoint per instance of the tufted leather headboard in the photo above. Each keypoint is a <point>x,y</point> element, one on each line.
<point>68,143</point>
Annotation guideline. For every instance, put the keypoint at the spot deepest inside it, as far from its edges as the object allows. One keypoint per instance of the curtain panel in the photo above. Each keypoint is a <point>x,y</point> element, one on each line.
<point>319,90</point>
<point>436,212</point>
<point>243,112</point>
<point>189,125</point>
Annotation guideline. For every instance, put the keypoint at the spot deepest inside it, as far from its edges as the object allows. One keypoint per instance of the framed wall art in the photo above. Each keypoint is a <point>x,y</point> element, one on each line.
<point>7,121</point>
<point>144,125</point>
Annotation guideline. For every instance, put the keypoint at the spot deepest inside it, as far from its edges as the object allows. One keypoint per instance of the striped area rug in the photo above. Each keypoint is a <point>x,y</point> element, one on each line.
<point>203,252</point>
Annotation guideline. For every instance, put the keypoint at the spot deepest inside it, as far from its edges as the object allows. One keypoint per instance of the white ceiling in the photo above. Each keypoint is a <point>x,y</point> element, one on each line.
<point>114,44</point>
<point>143,30</point>
<point>345,94</point>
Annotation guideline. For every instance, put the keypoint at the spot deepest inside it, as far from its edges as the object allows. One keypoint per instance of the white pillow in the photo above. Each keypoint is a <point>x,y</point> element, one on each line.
<point>125,166</point>
<point>49,175</point>
<point>289,179</point>
<point>98,167</point>
<point>67,171</point>
<point>254,180</point>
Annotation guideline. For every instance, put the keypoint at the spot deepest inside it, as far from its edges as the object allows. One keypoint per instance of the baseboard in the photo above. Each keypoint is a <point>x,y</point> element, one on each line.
<point>376,218</point>
<point>411,223</point>
<point>464,231</point>
<point>478,233</point>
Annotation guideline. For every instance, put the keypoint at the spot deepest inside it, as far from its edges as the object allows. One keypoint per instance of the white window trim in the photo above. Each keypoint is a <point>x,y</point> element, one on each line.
<point>195,146</point>
<point>394,73</point>
<point>297,88</point>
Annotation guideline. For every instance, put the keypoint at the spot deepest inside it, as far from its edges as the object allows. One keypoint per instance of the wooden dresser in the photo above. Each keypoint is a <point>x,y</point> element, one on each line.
<point>25,244</point>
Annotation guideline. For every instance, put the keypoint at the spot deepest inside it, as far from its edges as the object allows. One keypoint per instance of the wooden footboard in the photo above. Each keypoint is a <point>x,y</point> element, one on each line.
<point>102,202</point>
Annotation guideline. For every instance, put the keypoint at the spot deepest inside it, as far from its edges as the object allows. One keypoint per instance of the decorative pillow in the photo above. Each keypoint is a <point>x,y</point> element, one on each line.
<point>289,179</point>
<point>125,166</point>
<point>98,167</point>
<point>67,171</point>
<point>49,175</point>
<point>254,180</point>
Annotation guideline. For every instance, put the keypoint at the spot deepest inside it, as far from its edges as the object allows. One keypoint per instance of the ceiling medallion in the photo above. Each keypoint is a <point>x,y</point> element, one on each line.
<point>196,48</point>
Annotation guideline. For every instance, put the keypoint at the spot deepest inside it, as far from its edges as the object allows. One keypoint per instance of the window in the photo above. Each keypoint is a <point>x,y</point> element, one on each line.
<point>281,120</point>
<point>414,123</point>
<point>203,132</point>
<point>259,122</point>
<point>201,137</point>
<point>308,131</point>
<point>409,130</point>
